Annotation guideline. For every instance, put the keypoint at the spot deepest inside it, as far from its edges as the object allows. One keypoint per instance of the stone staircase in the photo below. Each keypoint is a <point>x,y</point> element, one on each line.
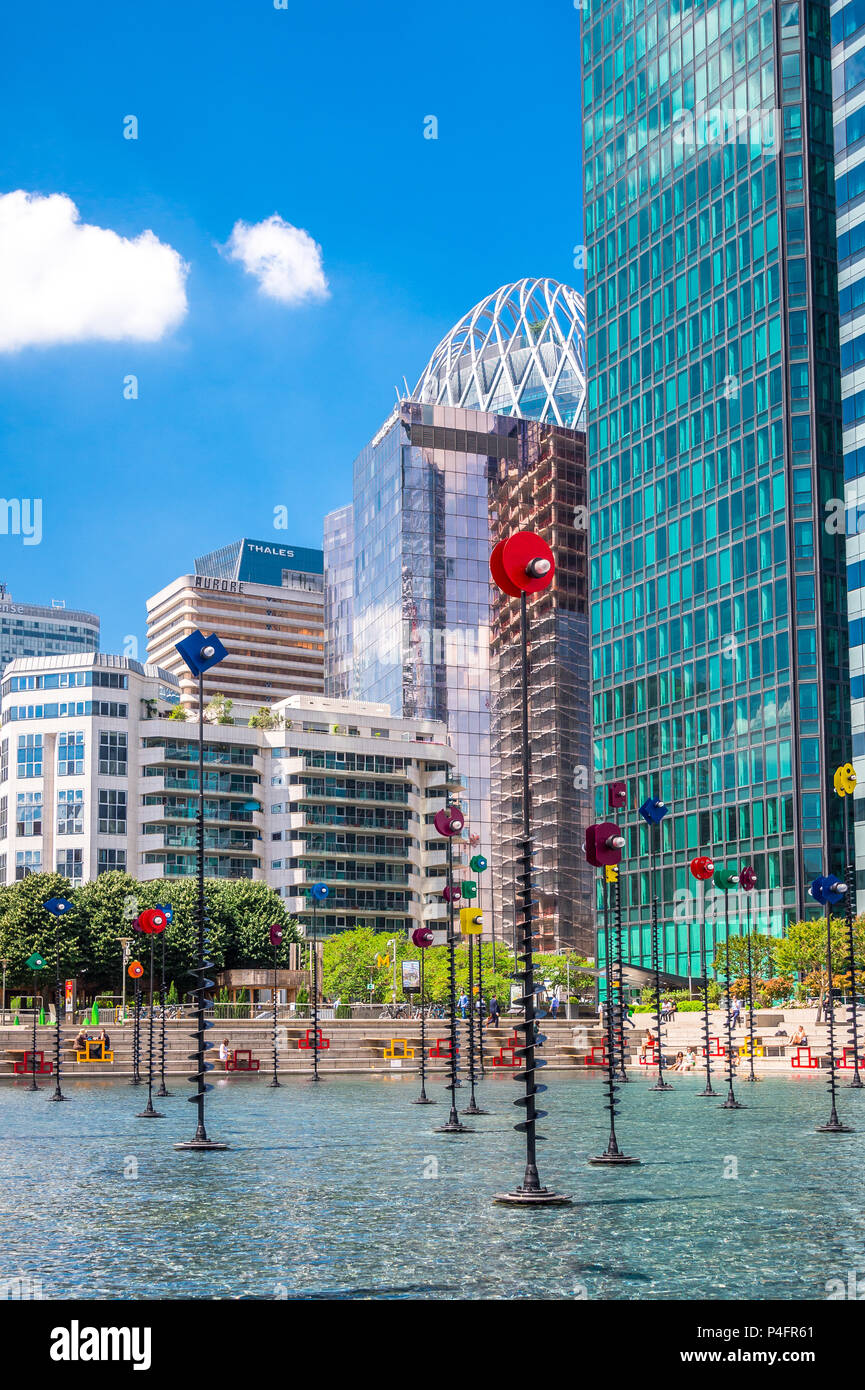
<point>686,1030</point>
<point>355,1047</point>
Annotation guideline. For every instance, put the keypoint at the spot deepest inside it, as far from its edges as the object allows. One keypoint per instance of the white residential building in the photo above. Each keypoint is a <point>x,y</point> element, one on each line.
<point>94,776</point>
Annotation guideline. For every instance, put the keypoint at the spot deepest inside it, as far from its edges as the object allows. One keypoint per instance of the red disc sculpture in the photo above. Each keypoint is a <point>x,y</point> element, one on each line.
<point>449,820</point>
<point>702,867</point>
<point>422,936</point>
<point>152,921</point>
<point>136,970</point>
<point>522,564</point>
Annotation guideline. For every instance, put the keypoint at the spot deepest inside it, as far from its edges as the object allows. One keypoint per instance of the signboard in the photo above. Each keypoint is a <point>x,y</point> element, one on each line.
<point>516,996</point>
<point>411,977</point>
<point>70,997</point>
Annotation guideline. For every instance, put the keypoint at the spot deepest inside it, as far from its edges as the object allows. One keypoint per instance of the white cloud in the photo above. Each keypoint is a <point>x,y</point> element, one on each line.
<point>63,281</point>
<point>285,260</point>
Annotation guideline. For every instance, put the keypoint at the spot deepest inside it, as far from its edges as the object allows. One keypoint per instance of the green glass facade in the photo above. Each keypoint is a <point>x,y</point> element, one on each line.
<point>719,633</point>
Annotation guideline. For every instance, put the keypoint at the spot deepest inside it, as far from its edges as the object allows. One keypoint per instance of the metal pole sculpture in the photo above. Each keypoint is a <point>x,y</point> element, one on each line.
<point>422,937</point>
<point>449,822</point>
<point>135,971</point>
<point>201,653</point>
<point>748,881</point>
<point>725,879</point>
<point>653,812</point>
<point>319,892</point>
<point>58,907</point>
<point>521,565</point>
<point>276,942</point>
<point>617,799</point>
<point>472,925</point>
<point>603,849</point>
<point>477,864</point>
<point>169,917</point>
<point>34,963</point>
<point>153,923</point>
<point>702,868</point>
<point>830,890</point>
<point>845,783</point>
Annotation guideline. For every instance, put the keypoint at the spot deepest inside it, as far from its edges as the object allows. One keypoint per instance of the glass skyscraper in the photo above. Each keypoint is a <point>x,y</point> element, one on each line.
<point>719,661</point>
<point>338,602</point>
<point>848,86</point>
<point>30,629</point>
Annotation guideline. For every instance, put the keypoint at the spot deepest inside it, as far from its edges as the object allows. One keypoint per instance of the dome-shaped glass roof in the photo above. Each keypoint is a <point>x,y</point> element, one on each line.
<point>520,351</point>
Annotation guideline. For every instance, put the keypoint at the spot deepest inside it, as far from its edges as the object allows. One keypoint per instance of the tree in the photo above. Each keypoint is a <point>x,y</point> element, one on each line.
<point>25,927</point>
<point>265,718</point>
<point>218,710</point>
<point>252,909</point>
<point>761,956</point>
<point>179,714</point>
<point>803,951</point>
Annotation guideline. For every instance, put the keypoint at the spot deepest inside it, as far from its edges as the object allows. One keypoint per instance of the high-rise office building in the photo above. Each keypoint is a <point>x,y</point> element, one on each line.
<point>848,87</point>
<point>266,601</point>
<point>338,601</point>
<point>426,496</point>
<point>30,629</point>
<point>714,440</point>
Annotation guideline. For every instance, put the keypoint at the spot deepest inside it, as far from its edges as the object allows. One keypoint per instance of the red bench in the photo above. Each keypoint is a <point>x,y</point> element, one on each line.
<point>848,1066</point>
<point>323,1042</point>
<point>510,1046</point>
<point>717,1051</point>
<point>236,1062</point>
<point>437,1050</point>
<point>809,1062</point>
<point>25,1067</point>
<point>590,1058</point>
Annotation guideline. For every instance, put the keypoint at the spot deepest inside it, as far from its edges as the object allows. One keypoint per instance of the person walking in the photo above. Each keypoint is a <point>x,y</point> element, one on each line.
<point>554,1007</point>
<point>463,1003</point>
<point>737,1012</point>
<point>493,1017</point>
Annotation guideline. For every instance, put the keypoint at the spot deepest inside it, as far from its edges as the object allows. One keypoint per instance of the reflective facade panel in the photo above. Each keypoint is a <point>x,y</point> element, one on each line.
<point>719,643</point>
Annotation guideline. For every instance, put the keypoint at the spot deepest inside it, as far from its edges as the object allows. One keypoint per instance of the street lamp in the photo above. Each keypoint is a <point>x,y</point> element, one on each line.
<point>58,907</point>
<point>200,653</point>
<point>521,565</point>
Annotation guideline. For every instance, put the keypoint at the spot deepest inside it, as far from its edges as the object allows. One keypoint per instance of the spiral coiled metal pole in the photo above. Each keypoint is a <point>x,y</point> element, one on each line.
<point>274,1025</point>
<point>58,1093</point>
<point>660,1084</point>
<point>730,1103</point>
<point>423,1098</point>
<point>453,1124</point>
<point>709,1089</point>
<point>612,1153</point>
<point>200,1140</point>
<point>315,1075</point>
<point>136,1035</point>
<point>619,982</point>
<point>834,1125</point>
<point>472,1108</point>
<point>751,1076</point>
<point>33,1086</point>
<point>148,1113</point>
<point>163,1091</point>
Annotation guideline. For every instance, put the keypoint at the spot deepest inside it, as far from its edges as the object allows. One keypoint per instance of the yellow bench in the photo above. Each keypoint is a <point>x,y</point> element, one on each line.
<point>406,1050</point>
<point>757,1051</point>
<point>88,1056</point>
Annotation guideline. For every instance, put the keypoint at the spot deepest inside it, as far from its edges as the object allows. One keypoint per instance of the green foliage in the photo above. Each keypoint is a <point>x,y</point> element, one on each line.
<point>172,996</point>
<point>179,714</point>
<point>218,710</point>
<point>240,913</point>
<point>265,718</point>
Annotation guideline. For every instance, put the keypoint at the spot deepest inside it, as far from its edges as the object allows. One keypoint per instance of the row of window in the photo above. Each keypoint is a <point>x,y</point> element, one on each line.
<point>112,762</point>
<point>112,813</point>
<point>66,680</point>
<point>69,863</point>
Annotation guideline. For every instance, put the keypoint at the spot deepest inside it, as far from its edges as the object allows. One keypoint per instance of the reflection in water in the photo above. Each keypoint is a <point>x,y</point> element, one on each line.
<point>343,1191</point>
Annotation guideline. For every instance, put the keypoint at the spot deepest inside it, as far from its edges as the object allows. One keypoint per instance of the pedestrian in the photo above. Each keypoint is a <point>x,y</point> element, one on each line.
<point>554,1007</point>
<point>493,1017</point>
<point>737,1012</point>
<point>224,1054</point>
<point>463,1003</point>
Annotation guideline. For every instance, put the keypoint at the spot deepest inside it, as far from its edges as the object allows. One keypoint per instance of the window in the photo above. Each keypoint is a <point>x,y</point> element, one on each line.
<point>4,760</point>
<point>28,814</point>
<point>29,755</point>
<point>27,861</point>
<point>70,812</point>
<point>112,812</point>
<point>70,863</point>
<point>113,755</point>
<point>110,859</point>
<point>4,829</point>
<point>70,755</point>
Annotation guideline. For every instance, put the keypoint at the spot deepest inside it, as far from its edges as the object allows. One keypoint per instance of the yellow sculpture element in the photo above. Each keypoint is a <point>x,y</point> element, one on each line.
<point>757,1052</point>
<point>471,921</point>
<point>845,779</point>
<point>611,873</point>
<point>382,962</point>
<point>406,1050</point>
<point>100,1056</point>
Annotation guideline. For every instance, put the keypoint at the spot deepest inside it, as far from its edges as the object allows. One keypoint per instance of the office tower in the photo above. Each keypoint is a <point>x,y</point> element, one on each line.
<point>544,490</point>
<point>714,442</point>
<point>848,86</point>
<point>338,601</point>
<point>266,601</point>
<point>29,629</point>
<point>96,776</point>
<point>423,527</point>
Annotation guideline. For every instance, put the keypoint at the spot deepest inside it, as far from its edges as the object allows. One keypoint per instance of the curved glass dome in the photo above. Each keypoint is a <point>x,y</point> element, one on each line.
<point>520,351</point>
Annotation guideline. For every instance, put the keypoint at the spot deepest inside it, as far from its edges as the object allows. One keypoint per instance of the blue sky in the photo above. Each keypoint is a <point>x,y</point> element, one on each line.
<point>314,113</point>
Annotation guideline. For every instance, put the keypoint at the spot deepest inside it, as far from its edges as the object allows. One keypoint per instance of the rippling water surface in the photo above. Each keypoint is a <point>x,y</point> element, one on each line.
<point>342,1190</point>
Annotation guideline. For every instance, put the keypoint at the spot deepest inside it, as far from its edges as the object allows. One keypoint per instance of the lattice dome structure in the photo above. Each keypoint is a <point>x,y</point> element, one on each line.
<point>521,351</point>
